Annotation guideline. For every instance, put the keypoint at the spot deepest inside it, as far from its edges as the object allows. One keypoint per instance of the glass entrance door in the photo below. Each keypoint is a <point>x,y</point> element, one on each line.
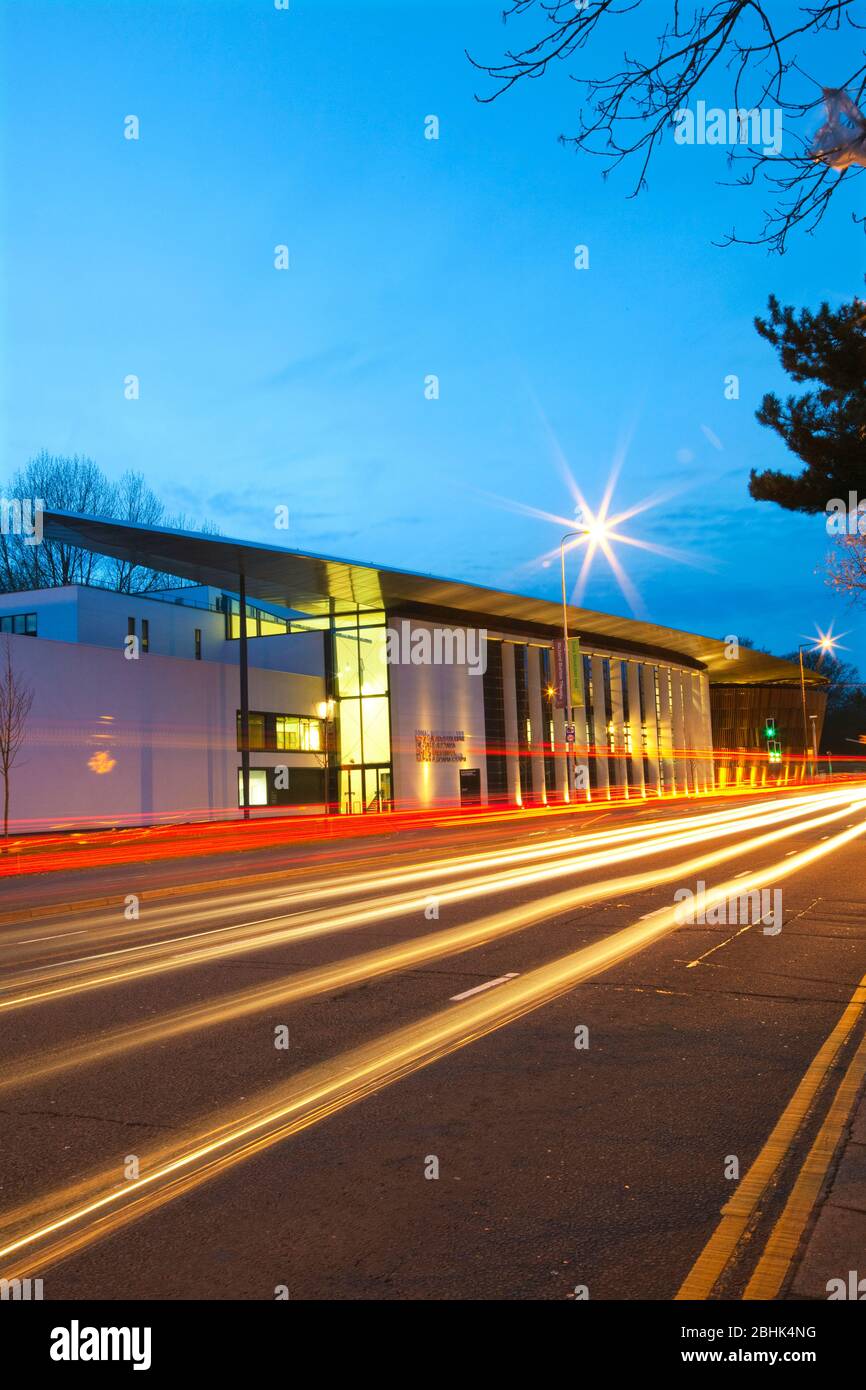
<point>351,791</point>
<point>365,789</point>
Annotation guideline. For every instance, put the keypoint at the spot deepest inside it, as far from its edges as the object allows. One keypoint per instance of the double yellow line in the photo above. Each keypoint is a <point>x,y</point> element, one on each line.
<point>738,1215</point>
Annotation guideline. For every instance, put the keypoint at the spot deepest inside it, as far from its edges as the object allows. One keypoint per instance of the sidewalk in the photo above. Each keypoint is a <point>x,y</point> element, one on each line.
<point>836,1246</point>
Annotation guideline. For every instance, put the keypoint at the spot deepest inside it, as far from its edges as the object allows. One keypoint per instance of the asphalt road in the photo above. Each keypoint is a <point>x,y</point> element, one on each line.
<point>159,1144</point>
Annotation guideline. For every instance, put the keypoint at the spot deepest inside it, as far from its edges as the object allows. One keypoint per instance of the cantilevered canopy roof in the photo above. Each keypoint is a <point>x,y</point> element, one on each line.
<point>313,583</point>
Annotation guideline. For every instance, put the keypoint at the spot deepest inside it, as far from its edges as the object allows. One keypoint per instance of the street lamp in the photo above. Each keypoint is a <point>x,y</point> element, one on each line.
<point>325,713</point>
<point>569,757</point>
<point>826,642</point>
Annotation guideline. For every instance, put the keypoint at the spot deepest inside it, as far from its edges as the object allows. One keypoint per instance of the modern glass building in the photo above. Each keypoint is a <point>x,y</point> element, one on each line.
<point>355,687</point>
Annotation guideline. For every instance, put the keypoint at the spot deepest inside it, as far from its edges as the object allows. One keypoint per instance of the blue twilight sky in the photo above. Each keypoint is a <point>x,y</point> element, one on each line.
<point>408,257</point>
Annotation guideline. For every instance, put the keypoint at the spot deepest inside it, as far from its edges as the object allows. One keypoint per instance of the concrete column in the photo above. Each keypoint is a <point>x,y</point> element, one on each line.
<point>693,740</point>
<point>512,747</point>
<point>538,735</point>
<point>634,720</point>
<point>616,703</point>
<point>678,722</point>
<point>243,663</point>
<point>707,726</point>
<point>581,757</point>
<point>600,717</point>
<point>666,736</point>
<point>652,731</point>
<point>702,747</point>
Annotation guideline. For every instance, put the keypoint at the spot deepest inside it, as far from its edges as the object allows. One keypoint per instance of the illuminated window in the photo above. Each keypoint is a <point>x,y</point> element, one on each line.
<point>377,743</point>
<point>259,622</point>
<point>277,733</point>
<point>350,732</point>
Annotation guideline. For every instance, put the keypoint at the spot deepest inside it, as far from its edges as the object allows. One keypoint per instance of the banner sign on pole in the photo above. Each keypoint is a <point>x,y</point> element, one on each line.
<point>559,673</point>
<point>575,665</point>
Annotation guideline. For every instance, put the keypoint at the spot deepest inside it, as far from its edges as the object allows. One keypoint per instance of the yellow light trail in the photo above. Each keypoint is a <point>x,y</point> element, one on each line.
<point>79,975</point>
<point>384,881</point>
<point>72,1218</point>
<point>403,955</point>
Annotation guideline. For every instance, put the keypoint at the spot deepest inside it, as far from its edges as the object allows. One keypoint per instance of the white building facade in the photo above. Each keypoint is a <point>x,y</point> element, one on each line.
<point>348,687</point>
<point>135,713</point>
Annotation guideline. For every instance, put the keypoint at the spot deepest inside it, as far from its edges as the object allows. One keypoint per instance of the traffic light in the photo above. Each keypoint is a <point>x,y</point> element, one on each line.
<point>770,727</point>
<point>774,749</point>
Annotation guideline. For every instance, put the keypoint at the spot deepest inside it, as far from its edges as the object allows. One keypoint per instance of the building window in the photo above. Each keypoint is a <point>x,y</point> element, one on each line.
<point>589,711</point>
<point>282,733</point>
<point>145,635</point>
<point>22,623</point>
<point>627,712</point>
<point>130,627</point>
<point>547,697</point>
<point>358,663</point>
<point>259,622</point>
<point>293,786</point>
<point>521,690</point>
<point>198,644</point>
<point>607,692</point>
<point>494,722</point>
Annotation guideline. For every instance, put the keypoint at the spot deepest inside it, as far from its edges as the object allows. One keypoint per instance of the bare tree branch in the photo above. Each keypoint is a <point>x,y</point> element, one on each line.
<point>630,111</point>
<point>78,485</point>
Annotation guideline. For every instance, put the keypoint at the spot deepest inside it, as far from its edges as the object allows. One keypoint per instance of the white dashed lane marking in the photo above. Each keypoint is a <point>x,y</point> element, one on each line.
<point>488,984</point>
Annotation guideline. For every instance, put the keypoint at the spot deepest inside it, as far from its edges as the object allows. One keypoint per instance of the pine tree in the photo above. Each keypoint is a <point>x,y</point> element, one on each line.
<point>825,426</point>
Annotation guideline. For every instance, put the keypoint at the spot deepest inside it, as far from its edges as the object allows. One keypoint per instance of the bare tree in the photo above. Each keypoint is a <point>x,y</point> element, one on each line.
<point>78,485</point>
<point>16,697</point>
<point>751,46</point>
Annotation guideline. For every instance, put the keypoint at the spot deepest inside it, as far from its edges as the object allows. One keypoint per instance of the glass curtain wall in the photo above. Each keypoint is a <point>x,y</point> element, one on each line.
<point>363,716</point>
<point>547,698</point>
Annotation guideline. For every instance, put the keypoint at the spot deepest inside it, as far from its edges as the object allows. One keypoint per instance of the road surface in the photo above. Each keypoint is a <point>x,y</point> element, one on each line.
<point>486,1059</point>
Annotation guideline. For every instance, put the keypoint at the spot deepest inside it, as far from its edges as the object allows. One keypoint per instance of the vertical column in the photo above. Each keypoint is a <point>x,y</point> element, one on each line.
<point>679,732</point>
<point>512,748</point>
<point>666,735</point>
<point>652,732</point>
<point>245,699</point>
<point>581,791</point>
<point>618,725</point>
<point>600,718</point>
<point>700,745</point>
<point>536,724</point>
<point>707,726</point>
<point>635,725</point>
<point>691,737</point>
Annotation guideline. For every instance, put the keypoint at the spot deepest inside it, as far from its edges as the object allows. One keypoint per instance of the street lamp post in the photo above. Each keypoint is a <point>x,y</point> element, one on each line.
<point>325,713</point>
<point>824,645</point>
<point>803,694</point>
<point>569,757</point>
